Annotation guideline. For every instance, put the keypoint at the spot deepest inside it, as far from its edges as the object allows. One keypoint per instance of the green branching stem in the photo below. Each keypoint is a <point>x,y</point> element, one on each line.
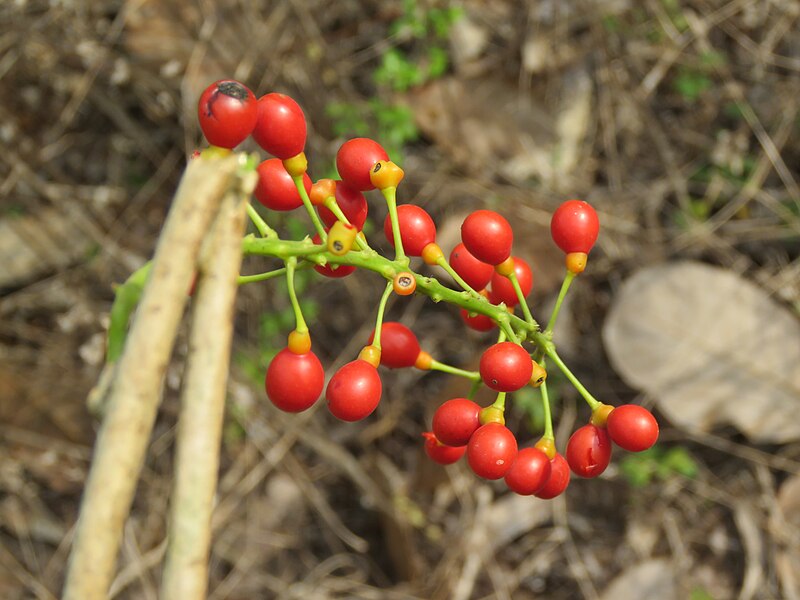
<point>442,262</point>
<point>376,340</point>
<point>301,189</point>
<point>242,279</point>
<point>521,297</point>
<point>500,402</point>
<point>473,376</point>
<point>261,225</point>
<point>568,277</point>
<point>300,322</point>
<point>390,194</point>
<point>125,301</point>
<point>550,351</point>
<point>548,418</point>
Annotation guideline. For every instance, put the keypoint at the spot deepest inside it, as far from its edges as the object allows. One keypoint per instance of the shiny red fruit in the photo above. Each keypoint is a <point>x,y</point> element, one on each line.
<point>275,188</point>
<point>632,427</point>
<point>503,291</point>
<point>417,229</point>
<point>281,126</point>
<point>488,236</point>
<point>353,205</point>
<point>399,346</point>
<point>478,322</point>
<point>455,421</point>
<point>506,367</point>
<point>227,112</point>
<point>589,451</point>
<point>558,481</point>
<point>354,391</point>
<point>441,453</point>
<point>529,473</point>
<point>294,382</point>
<point>491,451</point>
<point>476,273</point>
<point>574,226</point>
<point>355,160</point>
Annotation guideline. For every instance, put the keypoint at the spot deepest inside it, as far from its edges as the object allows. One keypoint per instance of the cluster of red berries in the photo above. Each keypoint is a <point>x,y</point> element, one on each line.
<point>493,282</point>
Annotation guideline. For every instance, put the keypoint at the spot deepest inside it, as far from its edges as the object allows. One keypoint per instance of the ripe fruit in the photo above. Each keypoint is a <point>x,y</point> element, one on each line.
<point>399,345</point>
<point>558,481</point>
<point>529,473</point>
<point>503,291</point>
<point>294,381</point>
<point>353,205</point>
<point>355,160</point>
<point>275,188</point>
<point>478,322</point>
<point>477,274</point>
<point>589,451</point>
<point>487,236</point>
<point>441,453</point>
<point>455,421</point>
<point>632,427</point>
<point>574,226</point>
<point>354,391</point>
<point>280,128</point>
<point>227,112</point>
<point>491,451</point>
<point>417,229</point>
<point>506,367</point>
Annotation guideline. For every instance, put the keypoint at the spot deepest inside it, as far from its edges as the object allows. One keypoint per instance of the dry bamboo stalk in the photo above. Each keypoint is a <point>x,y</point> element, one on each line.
<point>203,405</point>
<point>134,397</point>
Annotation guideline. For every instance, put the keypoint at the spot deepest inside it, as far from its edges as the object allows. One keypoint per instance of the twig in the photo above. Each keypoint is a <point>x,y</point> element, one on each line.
<point>134,396</point>
<point>203,405</point>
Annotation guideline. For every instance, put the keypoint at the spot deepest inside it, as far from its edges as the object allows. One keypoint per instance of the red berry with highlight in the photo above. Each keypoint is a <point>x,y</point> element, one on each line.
<point>491,451</point>
<point>574,226</point>
<point>476,273</point>
<point>632,427</point>
<point>589,451</point>
<point>503,291</point>
<point>227,112</point>
<point>506,367</point>
<point>529,473</point>
<point>294,382</point>
<point>354,391</point>
<point>488,236</point>
<point>355,160</point>
<point>352,203</point>
<point>455,421</point>
<point>275,188</point>
<point>280,128</point>
<point>558,481</point>
<point>417,229</point>
<point>441,453</point>
<point>399,346</point>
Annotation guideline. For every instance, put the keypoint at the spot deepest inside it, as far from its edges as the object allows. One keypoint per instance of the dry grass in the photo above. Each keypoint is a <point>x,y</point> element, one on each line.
<point>654,111</point>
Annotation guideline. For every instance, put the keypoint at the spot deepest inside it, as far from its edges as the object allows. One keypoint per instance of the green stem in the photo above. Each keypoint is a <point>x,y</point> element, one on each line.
<point>126,298</point>
<point>301,189</point>
<point>300,322</point>
<point>261,225</point>
<point>521,297</point>
<point>548,419</point>
<point>500,402</point>
<point>568,277</point>
<point>474,376</point>
<point>242,279</point>
<point>376,340</point>
<point>550,350</point>
<point>390,194</point>
<point>333,206</point>
<point>442,262</point>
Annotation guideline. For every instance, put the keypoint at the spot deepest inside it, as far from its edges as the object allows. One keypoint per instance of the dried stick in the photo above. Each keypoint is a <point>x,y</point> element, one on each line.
<point>134,395</point>
<point>203,405</point>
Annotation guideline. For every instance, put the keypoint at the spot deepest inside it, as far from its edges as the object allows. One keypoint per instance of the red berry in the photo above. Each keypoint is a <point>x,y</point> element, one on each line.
<point>558,481</point>
<point>441,453</point>
<point>491,451</point>
<point>503,291</point>
<point>355,160</point>
<point>589,451</point>
<point>354,391</point>
<point>417,229</point>
<point>575,226</point>
<point>275,188</point>
<point>506,367</point>
<point>475,272</point>
<point>280,128</point>
<point>455,421</point>
<point>632,427</point>
<point>294,381</point>
<point>529,473</point>
<point>478,322</point>
<point>331,270</point>
<point>399,346</point>
<point>227,113</point>
<point>353,205</point>
<point>488,236</point>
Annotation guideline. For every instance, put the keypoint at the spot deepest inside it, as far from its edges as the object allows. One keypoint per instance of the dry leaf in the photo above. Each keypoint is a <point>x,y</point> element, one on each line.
<point>711,347</point>
<point>652,579</point>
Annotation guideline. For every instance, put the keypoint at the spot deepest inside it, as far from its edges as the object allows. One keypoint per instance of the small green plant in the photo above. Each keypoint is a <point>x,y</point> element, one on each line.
<point>658,464</point>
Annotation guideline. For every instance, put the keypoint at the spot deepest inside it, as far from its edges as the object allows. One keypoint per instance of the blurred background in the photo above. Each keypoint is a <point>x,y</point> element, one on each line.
<point>676,119</point>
